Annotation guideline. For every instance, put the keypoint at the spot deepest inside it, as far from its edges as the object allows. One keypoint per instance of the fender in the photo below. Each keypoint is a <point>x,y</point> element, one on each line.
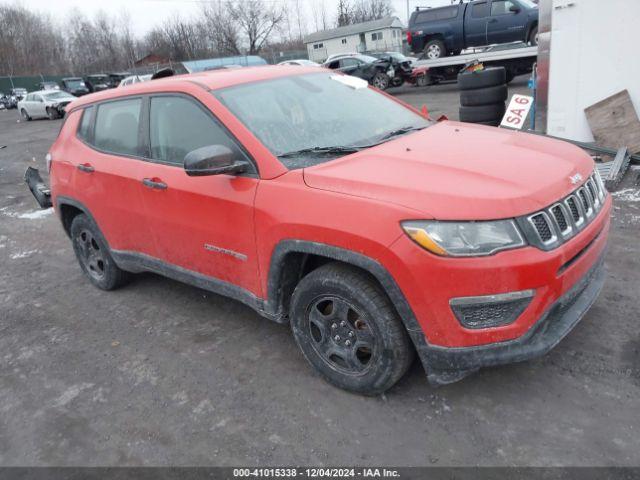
<point>277,278</point>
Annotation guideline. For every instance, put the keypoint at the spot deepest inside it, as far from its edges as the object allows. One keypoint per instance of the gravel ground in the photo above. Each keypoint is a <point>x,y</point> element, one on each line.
<point>160,373</point>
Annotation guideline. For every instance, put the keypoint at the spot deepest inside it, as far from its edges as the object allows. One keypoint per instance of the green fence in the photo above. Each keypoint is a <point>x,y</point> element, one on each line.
<point>30,83</point>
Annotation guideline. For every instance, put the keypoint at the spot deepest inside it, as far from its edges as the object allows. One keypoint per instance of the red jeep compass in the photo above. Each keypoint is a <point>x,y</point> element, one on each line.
<point>323,203</point>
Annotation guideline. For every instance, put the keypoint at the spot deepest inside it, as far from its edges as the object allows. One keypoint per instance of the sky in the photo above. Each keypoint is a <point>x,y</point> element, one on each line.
<point>145,14</point>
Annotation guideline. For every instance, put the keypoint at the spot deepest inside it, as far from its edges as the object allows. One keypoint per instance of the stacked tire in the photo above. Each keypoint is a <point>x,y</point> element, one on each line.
<point>482,96</point>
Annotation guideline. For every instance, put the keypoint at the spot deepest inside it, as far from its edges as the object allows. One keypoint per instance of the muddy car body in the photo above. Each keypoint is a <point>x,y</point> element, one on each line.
<point>376,233</point>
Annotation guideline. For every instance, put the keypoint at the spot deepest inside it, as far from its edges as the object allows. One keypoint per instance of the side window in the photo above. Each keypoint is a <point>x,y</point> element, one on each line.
<point>178,125</point>
<point>333,65</point>
<point>85,123</point>
<point>349,62</point>
<point>501,7</point>
<point>480,10</point>
<point>116,128</point>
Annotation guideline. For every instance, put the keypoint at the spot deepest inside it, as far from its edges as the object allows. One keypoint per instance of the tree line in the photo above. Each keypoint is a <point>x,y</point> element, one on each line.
<point>36,43</point>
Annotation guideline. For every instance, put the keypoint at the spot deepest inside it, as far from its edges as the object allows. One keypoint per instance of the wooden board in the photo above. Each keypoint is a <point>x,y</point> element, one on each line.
<point>614,122</point>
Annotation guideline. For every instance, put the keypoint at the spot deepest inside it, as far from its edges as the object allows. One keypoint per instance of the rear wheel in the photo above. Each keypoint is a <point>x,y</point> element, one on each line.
<point>533,37</point>
<point>435,49</point>
<point>93,255</point>
<point>348,330</point>
<point>25,115</point>
<point>380,81</point>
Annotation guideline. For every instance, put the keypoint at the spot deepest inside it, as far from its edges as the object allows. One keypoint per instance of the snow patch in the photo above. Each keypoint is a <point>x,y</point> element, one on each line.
<point>25,254</point>
<point>37,214</point>
<point>628,195</point>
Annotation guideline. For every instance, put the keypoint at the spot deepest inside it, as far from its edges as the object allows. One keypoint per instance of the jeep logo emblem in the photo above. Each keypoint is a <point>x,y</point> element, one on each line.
<point>575,179</point>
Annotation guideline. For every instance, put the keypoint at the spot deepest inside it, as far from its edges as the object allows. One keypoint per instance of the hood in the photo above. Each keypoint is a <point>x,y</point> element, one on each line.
<point>459,171</point>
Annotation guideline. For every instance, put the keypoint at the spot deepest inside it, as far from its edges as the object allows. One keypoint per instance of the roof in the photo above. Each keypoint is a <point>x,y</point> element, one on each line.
<point>193,66</point>
<point>354,29</point>
<point>212,80</point>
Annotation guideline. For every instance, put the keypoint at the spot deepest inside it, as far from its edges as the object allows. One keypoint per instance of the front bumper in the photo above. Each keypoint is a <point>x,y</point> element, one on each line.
<point>447,365</point>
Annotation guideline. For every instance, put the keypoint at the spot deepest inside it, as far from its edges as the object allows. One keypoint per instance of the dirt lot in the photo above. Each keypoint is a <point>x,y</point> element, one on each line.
<point>161,373</point>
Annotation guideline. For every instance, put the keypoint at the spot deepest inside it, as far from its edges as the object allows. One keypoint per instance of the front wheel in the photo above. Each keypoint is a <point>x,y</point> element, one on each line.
<point>381,81</point>
<point>25,115</point>
<point>52,113</point>
<point>348,330</point>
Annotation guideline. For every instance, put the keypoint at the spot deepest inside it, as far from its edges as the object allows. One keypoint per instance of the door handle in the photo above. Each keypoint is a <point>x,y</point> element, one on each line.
<point>86,168</point>
<point>156,185</point>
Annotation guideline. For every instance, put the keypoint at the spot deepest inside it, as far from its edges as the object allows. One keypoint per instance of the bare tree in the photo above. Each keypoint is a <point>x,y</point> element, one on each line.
<point>358,11</point>
<point>221,31</point>
<point>256,20</point>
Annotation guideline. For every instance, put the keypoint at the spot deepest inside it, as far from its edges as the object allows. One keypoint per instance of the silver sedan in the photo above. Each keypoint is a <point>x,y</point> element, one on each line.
<point>48,103</point>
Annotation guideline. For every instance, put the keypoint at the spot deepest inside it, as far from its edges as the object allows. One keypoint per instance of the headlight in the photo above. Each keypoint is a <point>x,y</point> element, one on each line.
<point>465,239</point>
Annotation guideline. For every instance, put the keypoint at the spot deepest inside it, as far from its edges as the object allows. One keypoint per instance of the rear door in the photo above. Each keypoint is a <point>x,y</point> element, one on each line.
<point>106,174</point>
<point>202,224</point>
<point>476,23</point>
<point>507,22</point>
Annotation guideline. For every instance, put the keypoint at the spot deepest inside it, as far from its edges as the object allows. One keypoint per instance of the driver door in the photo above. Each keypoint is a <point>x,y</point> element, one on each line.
<point>200,224</point>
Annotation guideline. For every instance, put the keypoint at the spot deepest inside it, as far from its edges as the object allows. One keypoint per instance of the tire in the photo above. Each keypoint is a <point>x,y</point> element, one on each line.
<point>397,82</point>
<point>533,37</point>
<point>482,113</point>
<point>349,331</point>
<point>25,115</point>
<point>422,81</point>
<point>93,254</point>
<point>483,96</point>
<point>434,49</point>
<point>52,113</point>
<point>380,81</point>
<point>489,77</point>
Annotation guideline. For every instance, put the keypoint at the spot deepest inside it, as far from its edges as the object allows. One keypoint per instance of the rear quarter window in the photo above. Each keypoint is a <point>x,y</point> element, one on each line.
<point>84,129</point>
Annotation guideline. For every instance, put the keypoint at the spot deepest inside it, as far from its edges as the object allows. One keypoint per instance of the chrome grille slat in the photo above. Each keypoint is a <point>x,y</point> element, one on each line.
<point>558,223</point>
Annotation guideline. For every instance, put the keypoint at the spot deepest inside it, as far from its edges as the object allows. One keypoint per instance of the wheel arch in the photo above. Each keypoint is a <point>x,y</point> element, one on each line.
<point>292,259</point>
<point>69,208</point>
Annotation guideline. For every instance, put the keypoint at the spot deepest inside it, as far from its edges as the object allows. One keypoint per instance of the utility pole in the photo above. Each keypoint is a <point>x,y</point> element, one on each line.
<point>408,13</point>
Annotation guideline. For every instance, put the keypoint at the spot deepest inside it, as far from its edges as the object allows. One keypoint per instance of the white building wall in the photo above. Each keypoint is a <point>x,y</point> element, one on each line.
<point>389,42</point>
<point>333,46</point>
<point>594,54</point>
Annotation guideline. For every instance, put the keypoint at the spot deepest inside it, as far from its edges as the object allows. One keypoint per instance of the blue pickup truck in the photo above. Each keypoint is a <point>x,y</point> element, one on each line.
<point>437,32</point>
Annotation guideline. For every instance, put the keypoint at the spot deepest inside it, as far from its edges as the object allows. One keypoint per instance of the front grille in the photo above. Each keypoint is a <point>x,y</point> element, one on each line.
<point>551,227</point>
<point>542,226</point>
<point>561,220</point>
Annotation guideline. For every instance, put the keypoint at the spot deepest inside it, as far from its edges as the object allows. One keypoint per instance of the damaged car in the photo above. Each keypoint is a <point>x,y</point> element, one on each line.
<point>48,104</point>
<point>375,233</point>
<point>378,72</point>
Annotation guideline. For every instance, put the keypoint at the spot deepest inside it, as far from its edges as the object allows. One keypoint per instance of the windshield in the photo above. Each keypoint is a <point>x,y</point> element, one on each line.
<point>528,4</point>
<point>317,112</point>
<point>57,96</point>
<point>74,83</point>
<point>98,79</point>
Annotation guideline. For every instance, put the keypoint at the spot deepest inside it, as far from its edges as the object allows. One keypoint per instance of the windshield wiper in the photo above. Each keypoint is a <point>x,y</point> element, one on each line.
<point>400,131</point>
<point>321,151</point>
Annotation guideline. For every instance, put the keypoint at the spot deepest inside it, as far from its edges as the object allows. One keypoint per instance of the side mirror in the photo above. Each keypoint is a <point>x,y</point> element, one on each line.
<point>514,9</point>
<point>212,160</point>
